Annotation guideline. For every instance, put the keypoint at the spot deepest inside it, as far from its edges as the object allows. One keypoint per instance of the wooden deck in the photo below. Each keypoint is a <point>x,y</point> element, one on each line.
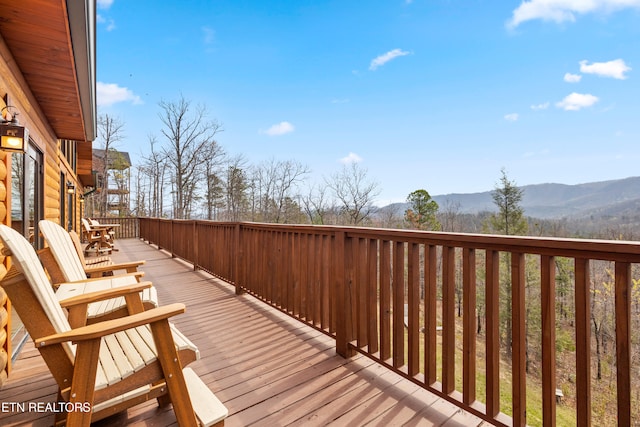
<point>267,368</point>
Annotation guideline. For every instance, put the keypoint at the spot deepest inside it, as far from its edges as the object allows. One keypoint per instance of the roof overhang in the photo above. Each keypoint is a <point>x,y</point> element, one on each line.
<point>53,43</point>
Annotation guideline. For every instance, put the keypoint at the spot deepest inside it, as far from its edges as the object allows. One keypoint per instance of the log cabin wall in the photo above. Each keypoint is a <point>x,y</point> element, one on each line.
<point>56,172</point>
<point>5,307</point>
<point>15,92</point>
<point>47,76</point>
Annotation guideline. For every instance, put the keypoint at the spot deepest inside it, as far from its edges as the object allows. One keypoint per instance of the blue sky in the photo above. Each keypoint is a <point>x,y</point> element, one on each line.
<point>433,94</point>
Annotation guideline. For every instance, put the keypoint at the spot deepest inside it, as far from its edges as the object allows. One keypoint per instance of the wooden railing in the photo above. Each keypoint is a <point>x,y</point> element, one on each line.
<point>394,294</point>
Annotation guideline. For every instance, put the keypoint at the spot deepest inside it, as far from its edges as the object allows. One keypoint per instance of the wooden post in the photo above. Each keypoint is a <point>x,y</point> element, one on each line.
<point>518,344</point>
<point>548,297</point>
<point>237,245</point>
<point>469,328</point>
<point>385,300</point>
<point>448,319</point>
<point>196,258</point>
<point>413,308</point>
<point>344,321</point>
<point>373,295</point>
<point>583,343</point>
<point>623,341</point>
<point>398,293</point>
<point>430,307</point>
<point>492,303</point>
<point>172,233</point>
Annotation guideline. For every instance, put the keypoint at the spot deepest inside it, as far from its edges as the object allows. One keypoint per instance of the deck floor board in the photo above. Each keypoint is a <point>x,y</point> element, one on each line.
<point>266,367</point>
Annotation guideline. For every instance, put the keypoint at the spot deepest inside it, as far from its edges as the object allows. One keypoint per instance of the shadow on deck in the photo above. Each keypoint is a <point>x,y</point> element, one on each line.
<point>267,368</point>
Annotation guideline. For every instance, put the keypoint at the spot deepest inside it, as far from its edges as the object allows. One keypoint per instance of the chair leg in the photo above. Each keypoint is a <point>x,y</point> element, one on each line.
<point>60,416</point>
<point>84,380</point>
<point>163,400</point>
<point>172,369</point>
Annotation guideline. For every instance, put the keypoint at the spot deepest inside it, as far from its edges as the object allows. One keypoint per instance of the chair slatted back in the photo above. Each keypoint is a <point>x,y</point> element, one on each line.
<point>63,251</point>
<point>25,259</point>
<point>76,243</point>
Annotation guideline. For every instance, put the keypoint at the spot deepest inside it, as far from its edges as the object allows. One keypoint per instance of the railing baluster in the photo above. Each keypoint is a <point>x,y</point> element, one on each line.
<point>372,286</point>
<point>492,303</point>
<point>293,292</point>
<point>448,319</point>
<point>583,342</point>
<point>385,300</point>
<point>324,283</point>
<point>430,307</point>
<point>518,342</point>
<point>398,304</point>
<point>362,302</point>
<point>623,341</point>
<point>316,278</point>
<point>333,282</point>
<point>297,282</point>
<point>413,301</point>
<point>304,275</point>
<point>283,269</point>
<point>548,301</point>
<point>469,328</point>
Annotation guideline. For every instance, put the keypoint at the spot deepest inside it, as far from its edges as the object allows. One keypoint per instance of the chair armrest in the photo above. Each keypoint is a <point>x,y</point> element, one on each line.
<point>106,294</point>
<point>120,266</point>
<point>108,327</point>
<point>137,275</point>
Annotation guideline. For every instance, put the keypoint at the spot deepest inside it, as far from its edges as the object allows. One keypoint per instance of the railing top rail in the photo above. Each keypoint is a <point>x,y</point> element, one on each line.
<point>613,250</point>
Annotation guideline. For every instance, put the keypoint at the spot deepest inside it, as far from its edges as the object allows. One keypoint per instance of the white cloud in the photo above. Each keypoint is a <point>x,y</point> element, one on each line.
<point>340,101</point>
<point>542,106</point>
<point>512,117</point>
<point>110,23</point>
<point>104,4</point>
<point>386,57</point>
<point>209,35</point>
<point>572,78</point>
<point>279,129</point>
<point>615,69</point>
<point>577,101</point>
<point>350,158</point>
<point>110,93</point>
<point>565,10</point>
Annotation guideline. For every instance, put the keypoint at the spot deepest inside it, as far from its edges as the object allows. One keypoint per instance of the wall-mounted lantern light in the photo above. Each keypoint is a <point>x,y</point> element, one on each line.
<point>12,135</point>
<point>71,189</point>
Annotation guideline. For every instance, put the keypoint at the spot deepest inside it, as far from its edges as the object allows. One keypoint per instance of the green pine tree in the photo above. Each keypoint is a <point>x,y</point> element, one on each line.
<point>510,218</point>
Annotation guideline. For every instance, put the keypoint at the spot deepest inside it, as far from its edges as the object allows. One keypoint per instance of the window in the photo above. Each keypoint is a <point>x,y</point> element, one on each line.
<point>26,193</point>
<point>26,210</point>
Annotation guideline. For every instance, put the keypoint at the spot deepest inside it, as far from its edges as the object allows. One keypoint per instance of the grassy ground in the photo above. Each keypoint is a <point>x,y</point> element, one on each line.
<point>603,392</point>
<point>565,411</point>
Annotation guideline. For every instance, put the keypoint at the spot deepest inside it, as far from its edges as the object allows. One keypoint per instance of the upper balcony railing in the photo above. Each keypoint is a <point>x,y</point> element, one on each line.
<point>412,301</point>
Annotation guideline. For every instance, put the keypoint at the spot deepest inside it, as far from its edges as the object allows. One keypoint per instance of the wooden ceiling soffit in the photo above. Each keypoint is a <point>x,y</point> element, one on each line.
<point>39,36</point>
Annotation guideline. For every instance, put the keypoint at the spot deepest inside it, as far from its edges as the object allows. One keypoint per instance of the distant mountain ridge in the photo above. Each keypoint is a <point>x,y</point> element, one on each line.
<point>555,201</point>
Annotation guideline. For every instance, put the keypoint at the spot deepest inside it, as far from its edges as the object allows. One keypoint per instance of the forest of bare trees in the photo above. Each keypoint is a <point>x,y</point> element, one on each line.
<point>186,173</point>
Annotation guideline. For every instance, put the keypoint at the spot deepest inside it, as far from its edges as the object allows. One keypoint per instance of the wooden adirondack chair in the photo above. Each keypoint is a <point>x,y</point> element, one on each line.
<point>70,278</point>
<point>70,261</point>
<point>107,367</point>
<point>88,262</point>
<point>96,239</point>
